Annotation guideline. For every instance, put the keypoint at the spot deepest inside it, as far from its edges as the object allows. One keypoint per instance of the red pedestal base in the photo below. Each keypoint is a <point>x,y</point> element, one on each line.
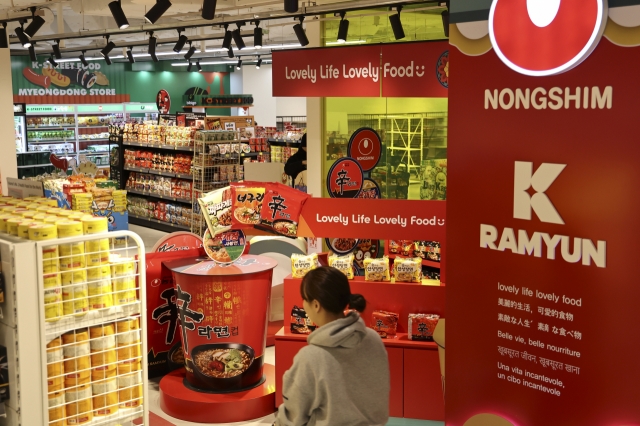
<point>185,404</point>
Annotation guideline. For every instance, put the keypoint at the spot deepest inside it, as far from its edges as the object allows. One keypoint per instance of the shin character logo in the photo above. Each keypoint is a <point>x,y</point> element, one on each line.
<point>540,181</point>
<point>546,37</point>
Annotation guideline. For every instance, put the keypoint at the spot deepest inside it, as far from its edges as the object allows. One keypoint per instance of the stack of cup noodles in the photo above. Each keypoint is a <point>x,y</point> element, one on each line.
<point>73,266</point>
<point>123,274</point>
<point>55,382</point>
<point>77,377</point>
<point>129,363</point>
<point>98,269</point>
<point>52,283</point>
<point>103,370</point>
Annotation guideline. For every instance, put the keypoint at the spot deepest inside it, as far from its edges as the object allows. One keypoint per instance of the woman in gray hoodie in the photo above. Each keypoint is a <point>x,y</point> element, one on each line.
<point>342,377</point>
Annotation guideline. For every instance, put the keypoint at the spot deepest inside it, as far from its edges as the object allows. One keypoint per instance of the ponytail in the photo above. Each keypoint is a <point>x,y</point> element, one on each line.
<point>357,302</point>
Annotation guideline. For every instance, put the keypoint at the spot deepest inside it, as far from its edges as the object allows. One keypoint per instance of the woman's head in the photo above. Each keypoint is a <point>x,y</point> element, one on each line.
<point>326,292</point>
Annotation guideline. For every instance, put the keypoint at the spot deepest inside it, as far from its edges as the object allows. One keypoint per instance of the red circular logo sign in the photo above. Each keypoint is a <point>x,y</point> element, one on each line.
<point>163,102</point>
<point>365,147</point>
<point>545,37</point>
<point>345,179</point>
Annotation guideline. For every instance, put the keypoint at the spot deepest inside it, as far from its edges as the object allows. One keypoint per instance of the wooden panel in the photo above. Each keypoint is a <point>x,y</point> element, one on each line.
<point>423,398</point>
<point>396,371</point>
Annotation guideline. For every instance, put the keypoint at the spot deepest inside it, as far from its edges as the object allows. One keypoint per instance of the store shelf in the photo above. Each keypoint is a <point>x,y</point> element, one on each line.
<point>95,140</point>
<point>285,143</point>
<point>162,197</point>
<point>50,127</point>
<point>425,262</point>
<point>92,127</point>
<point>35,165</point>
<point>156,224</point>
<point>167,147</point>
<point>401,340</point>
<point>94,153</point>
<point>251,154</point>
<point>155,172</point>
<point>51,141</point>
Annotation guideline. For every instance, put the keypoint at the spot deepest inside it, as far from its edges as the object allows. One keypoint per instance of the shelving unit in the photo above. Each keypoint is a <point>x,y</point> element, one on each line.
<point>299,121</point>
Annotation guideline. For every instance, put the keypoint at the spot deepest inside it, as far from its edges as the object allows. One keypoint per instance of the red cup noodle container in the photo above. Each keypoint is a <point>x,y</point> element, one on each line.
<point>223,312</point>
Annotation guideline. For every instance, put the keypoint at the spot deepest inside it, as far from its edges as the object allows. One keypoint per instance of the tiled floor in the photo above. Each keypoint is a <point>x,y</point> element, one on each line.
<point>149,236</point>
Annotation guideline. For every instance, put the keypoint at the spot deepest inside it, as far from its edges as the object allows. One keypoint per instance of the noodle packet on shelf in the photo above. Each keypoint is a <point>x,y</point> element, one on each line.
<point>377,269</point>
<point>216,209</point>
<point>300,322</point>
<point>343,264</point>
<point>407,270</point>
<point>385,323</point>
<point>281,208</point>
<point>421,326</point>
<point>301,264</point>
<point>246,198</point>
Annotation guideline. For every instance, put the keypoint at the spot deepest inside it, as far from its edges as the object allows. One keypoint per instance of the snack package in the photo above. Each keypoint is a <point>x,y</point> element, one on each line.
<point>394,247</point>
<point>343,263</point>
<point>300,323</point>
<point>301,264</point>
<point>385,323</point>
<point>421,326</point>
<point>281,208</point>
<point>406,247</point>
<point>407,270</point>
<point>247,203</point>
<point>216,208</point>
<point>377,269</point>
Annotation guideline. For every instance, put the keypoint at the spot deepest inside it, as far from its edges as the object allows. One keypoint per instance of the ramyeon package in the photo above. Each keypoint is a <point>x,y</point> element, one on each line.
<point>407,270</point>
<point>247,199</point>
<point>281,208</point>
<point>301,264</point>
<point>421,326</point>
<point>385,323</point>
<point>343,264</point>
<point>300,322</point>
<point>377,269</point>
<point>216,208</point>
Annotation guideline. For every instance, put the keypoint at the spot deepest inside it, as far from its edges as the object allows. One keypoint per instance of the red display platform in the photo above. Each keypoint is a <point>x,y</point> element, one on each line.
<point>185,404</point>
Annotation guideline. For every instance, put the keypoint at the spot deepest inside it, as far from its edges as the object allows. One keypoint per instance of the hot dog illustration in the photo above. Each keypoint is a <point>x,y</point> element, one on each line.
<point>59,163</point>
<point>81,77</point>
<point>40,80</point>
<point>58,79</point>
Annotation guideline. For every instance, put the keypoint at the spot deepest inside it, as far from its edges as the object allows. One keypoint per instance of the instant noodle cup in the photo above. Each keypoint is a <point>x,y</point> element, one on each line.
<point>72,254</point>
<point>12,225</point>
<point>3,221</point>
<point>343,263</point>
<point>23,204</point>
<point>377,269</point>
<point>33,206</point>
<point>281,208</point>
<point>128,341</point>
<point>75,292</point>
<point>54,211</point>
<point>79,406</point>
<point>103,347</point>
<point>122,266</point>
<point>23,228</point>
<point>76,350</point>
<point>407,270</point>
<point>301,264</point>
<point>45,232</point>
<point>77,216</point>
<point>43,209</point>
<point>40,217</point>
<point>55,370</point>
<point>65,213</point>
<point>95,225</point>
<point>51,219</point>
<point>385,323</point>
<point>247,203</point>
<point>49,202</point>
<point>105,396</point>
<point>56,409</point>
<point>124,290</point>
<point>130,389</point>
<point>100,288</point>
<point>53,309</point>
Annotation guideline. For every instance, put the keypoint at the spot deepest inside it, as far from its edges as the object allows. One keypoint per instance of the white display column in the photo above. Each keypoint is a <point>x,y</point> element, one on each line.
<point>315,138</point>
<point>8,162</point>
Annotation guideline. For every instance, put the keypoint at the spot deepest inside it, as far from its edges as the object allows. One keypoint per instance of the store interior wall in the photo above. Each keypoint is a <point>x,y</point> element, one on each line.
<point>291,107</point>
<point>8,163</point>
<point>315,118</point>
<point>257,82</point>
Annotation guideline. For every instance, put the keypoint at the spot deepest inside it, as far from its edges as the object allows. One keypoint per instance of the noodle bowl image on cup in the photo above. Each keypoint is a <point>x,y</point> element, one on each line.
<point>223,312</point>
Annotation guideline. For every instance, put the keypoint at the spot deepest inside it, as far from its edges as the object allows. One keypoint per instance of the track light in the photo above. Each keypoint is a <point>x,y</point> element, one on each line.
<point>198,66</point>
<point>107,60</point>
<point>108,48</point>
<point>189,67</point>
<point>396,25</point>
<point>36,23</point>
<point>257,36</point>
<point>56,50</point>
<point>152,47</point>
<point>83,60</point>
<point>190,52</point>
<point>4,42</point>
<point>157,11</point>
<point>259,63</point>
<point>23,37</point>
<point>343,31</point>
<point>237,37</point>
<point>118,14</point>
<point>291,6</point>
<point>445,21</point>
<point>226,42</point>
<point>182,40</point>
<point>302,36</point>
<point>130,55</point>
<point>239,66</point>
<point>32,52</point>
<point>209,9</point>
<point>52,61</point>
<point>230,54</point>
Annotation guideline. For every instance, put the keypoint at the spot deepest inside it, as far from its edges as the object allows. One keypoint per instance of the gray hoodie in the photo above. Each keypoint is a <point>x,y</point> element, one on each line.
<point>340,378</point>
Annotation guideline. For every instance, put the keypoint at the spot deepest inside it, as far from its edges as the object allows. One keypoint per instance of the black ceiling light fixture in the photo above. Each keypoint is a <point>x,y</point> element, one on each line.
<point>209,9</point>
<point>343,31</point>
<point>239,66</point>
<point>36,23</point>
<point>83,59</point>
<point>226,42</point>
<point>445,20</point>
<point>198,66</point>
<point>396,24</point>
<point>152,47</point>
<point>56,50</point>
<point>259,62</point>
<point>4,41</point>
<point>189,66</point>
<point>182,40</point>
<point>237,36</point>
<point>257,36</point>
<point>107,49</point>
<point>190,52</point>
<point>157,11</point>
<point>21,35</point>
<point>118,14</point>
<point>52,61</point>
<point>130,55</point>
<point>107,60</point>
<point>291,6</point>
<point>230,54</point>
<point>32,52</point>
<point>302,36</point>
